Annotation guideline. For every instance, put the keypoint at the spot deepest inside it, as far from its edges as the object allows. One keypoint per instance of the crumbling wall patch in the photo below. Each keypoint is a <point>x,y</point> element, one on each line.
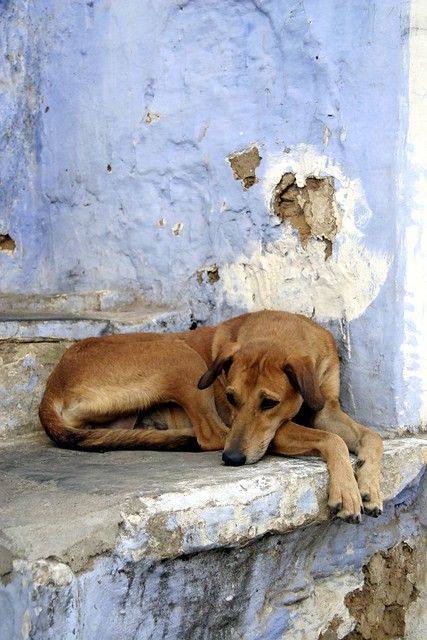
<point>311,208</point>
<point>244,165</point>
<point>380,606</point>
<point>209,274</point>
<point>7,243</point>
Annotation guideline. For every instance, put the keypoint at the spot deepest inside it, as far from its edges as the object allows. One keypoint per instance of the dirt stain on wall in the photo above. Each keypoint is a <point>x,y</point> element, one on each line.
<point>311,209</point>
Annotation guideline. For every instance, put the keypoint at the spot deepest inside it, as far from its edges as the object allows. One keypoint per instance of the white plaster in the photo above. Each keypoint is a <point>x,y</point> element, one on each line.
<point>326,135</point>
<point>414,243</point>
<point>325,603</point>
<point>284,275</point>
<point>26,625</point>
<point>51,572</point>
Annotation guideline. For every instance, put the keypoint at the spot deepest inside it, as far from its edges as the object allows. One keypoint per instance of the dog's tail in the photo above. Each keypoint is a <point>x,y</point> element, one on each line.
<point>104,439</point>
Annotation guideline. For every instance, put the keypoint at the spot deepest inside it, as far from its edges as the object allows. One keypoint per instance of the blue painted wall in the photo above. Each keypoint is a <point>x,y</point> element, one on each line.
<point>117,121</point>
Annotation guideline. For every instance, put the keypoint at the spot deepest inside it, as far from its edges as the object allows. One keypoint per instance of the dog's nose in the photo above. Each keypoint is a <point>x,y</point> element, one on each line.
<point>233,458</point>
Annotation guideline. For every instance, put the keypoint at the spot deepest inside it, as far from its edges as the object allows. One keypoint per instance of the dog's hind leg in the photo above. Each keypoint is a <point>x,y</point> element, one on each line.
<point>67,425</point>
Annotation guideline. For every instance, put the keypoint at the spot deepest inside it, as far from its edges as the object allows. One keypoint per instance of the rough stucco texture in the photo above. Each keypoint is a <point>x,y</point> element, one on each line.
<point>120,122</point>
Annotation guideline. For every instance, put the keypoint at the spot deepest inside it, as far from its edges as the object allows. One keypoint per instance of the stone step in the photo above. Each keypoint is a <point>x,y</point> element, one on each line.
<point>92,545</point>
<point>32,342</point>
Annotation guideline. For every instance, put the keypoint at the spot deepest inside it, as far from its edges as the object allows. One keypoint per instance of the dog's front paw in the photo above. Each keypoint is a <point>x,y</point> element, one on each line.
<point>369,487</point>
<point>344,499</point>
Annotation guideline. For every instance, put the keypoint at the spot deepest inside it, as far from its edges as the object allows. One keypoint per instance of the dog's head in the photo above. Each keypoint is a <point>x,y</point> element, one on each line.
<point>264,389</point>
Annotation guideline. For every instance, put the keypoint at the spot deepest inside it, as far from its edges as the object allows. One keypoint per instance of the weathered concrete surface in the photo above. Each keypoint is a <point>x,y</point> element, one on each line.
<point>140,545</point>
<point>24,369</point>
<point>167,504</point>
<point>75,326</point>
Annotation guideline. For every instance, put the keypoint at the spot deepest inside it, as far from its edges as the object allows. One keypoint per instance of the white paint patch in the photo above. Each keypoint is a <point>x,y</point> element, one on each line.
<point>26,625</point>
<point>284,275</point>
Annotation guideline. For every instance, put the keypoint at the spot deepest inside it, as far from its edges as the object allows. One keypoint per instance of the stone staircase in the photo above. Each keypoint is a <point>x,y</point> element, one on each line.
<point>150,545</point>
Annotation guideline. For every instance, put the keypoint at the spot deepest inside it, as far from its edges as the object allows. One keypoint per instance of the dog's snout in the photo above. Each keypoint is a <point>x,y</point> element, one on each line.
<point>233,458</point>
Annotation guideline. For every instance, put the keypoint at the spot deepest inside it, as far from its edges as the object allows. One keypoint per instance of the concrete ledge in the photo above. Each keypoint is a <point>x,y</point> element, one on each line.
<point>152,546</point>
<point>73,506</point>
<point>71,325</point>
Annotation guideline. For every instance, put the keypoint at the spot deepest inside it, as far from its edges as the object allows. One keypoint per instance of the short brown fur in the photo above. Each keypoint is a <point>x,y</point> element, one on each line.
<point>265,380</point>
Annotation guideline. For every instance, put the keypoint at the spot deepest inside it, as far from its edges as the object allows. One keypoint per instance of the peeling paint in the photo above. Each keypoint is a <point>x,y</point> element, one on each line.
<point>7,243</point>
<point>177,228</point>
<point>311,209</point>
<point>150,117</point>
<point>244,165</point>
<point>280,274</point>
<point>211,274</point>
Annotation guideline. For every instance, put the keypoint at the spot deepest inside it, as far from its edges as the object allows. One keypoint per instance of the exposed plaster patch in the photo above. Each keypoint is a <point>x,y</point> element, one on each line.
<point>212,274</point>
<point>326,135</point>
<point>150,117</point>
<point>52,572</point>
<point>26,625</point>
<point>380,606</point>
<point>331,632</point>
<point>280,274</point>
<point>7,243</point>
<point>244,165</point>
<point>203,132</point>
<point>177,228</point>
<point>311,209</point>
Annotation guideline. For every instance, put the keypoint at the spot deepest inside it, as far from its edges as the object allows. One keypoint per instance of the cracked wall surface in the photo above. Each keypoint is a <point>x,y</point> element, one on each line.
<point>122,174</point>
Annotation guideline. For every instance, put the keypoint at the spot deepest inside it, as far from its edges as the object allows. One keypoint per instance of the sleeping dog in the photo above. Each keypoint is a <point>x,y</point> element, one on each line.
<point>263,380</point>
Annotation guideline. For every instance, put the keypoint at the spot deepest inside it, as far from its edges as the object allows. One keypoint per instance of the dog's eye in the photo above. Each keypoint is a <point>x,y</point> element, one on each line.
<point>268,403</point>
<point>231,399</point>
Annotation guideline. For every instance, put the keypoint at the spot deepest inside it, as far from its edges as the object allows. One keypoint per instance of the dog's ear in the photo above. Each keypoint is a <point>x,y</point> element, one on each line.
<point>222,362</point>
<point>302,376</point>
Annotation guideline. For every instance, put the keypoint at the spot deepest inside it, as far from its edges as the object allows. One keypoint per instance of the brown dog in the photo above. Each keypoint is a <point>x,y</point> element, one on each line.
<point>242,386</point>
